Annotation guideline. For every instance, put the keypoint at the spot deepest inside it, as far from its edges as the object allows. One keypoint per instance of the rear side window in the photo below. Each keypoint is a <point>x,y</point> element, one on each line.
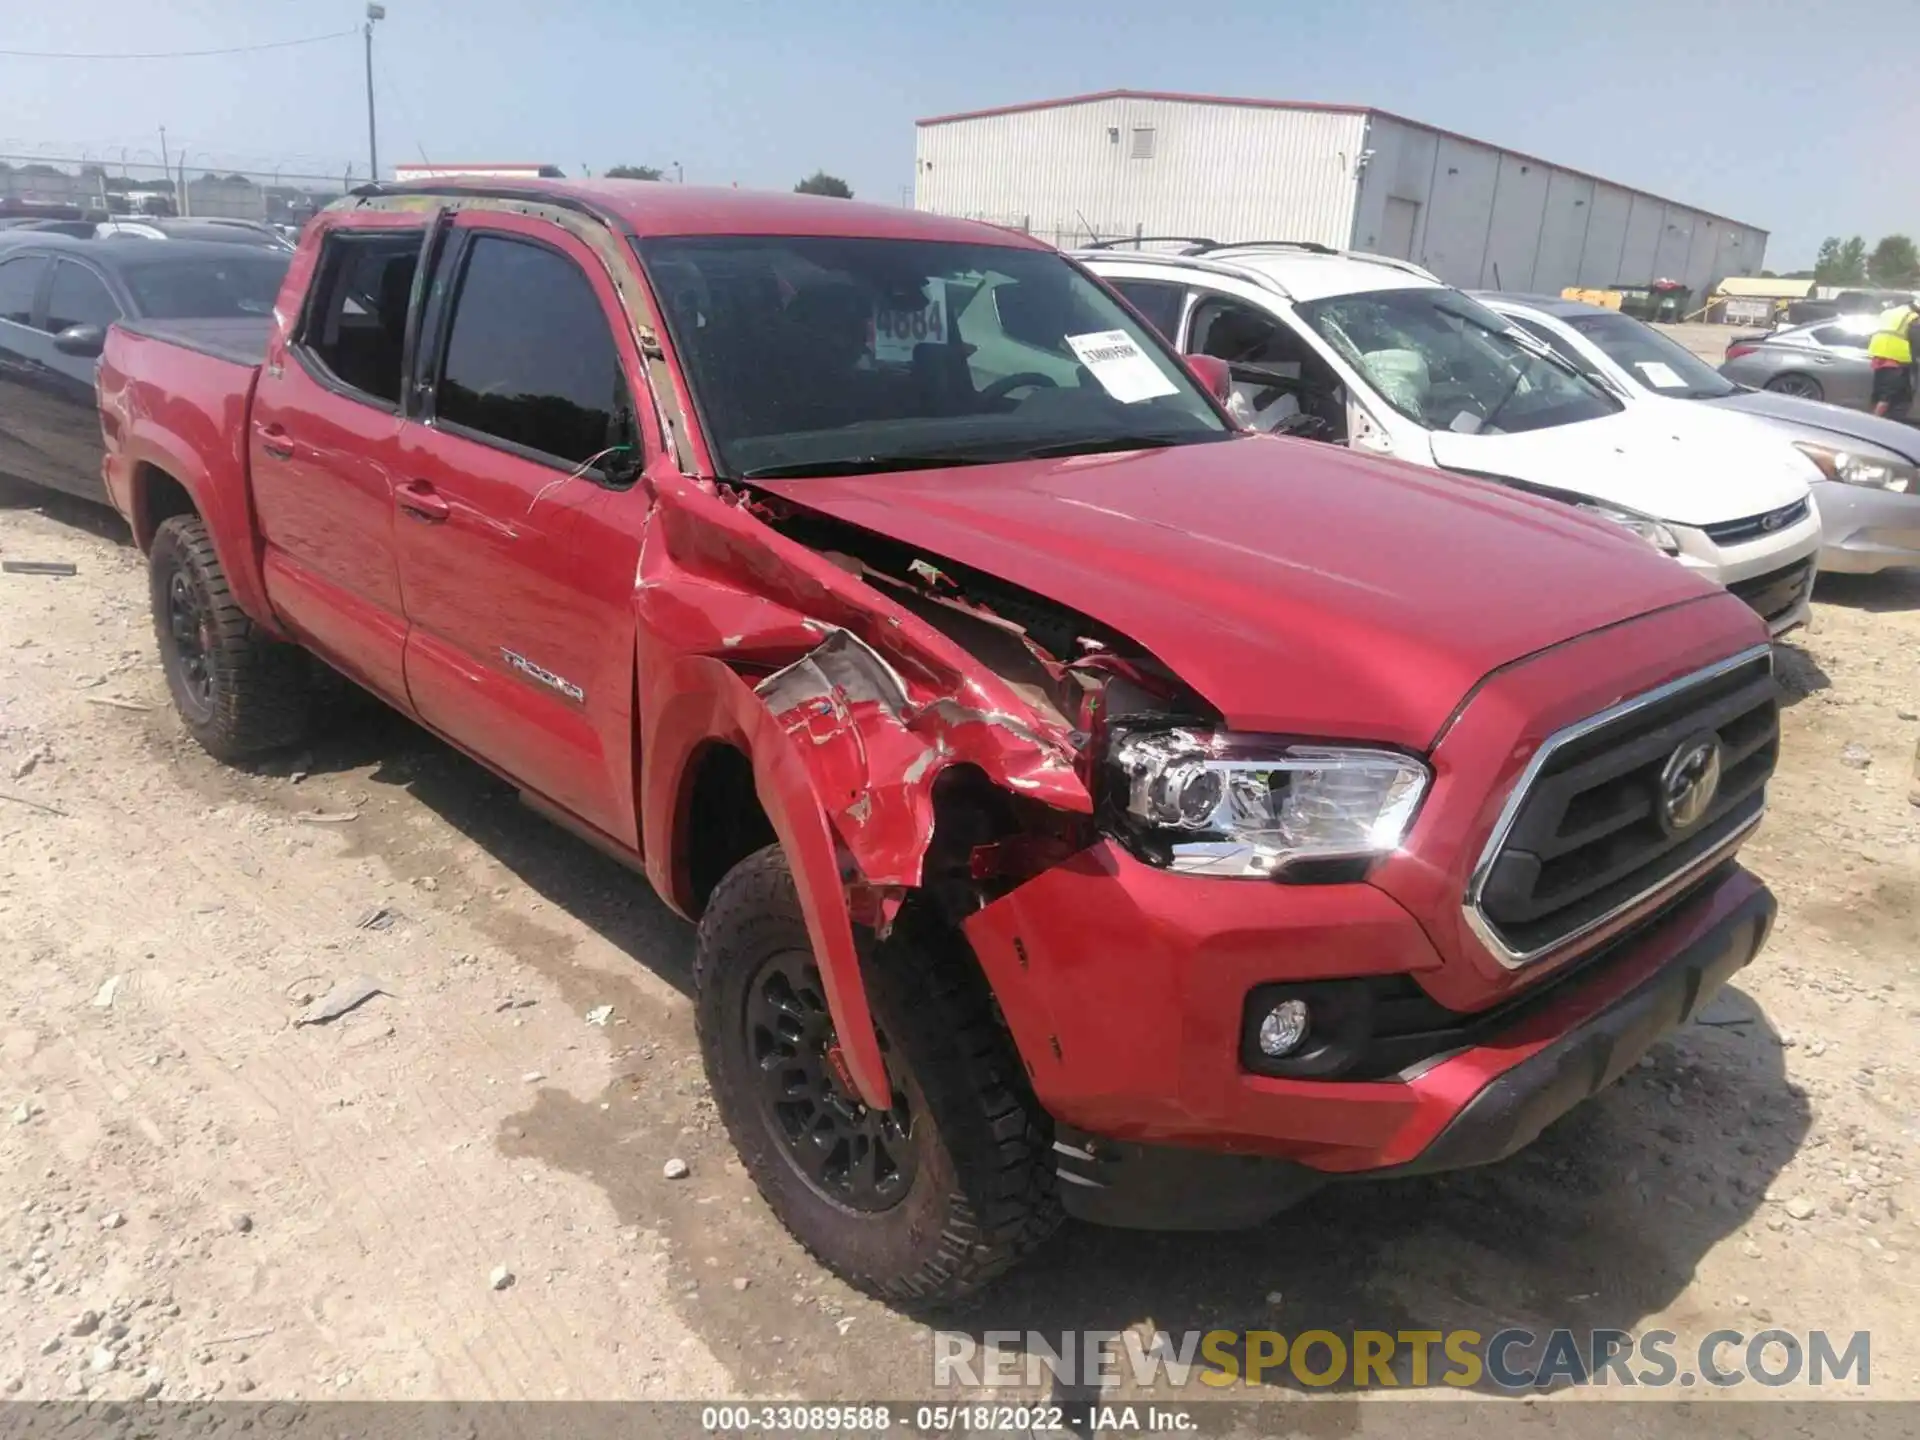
<point>356,326</point>
<point>529,358</point>
<point>78,297</point>
<point>19,283</point>
<point>1159,303</point>
<point>1841,336</point>
<point>244,282</point>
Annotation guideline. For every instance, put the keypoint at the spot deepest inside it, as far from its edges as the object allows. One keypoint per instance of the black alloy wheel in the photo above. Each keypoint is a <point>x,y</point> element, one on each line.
<point>190,631</point>
<point>847,1152</point>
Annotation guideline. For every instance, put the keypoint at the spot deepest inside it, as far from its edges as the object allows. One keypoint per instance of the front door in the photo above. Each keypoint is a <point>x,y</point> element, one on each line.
<point>29,415</point>
<point>325,441</point>
<point>77,296</point>
<point>520,523</point>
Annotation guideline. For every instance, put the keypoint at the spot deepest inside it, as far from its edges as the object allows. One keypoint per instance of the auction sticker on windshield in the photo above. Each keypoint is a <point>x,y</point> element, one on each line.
<point>1660,376</point>
<point>896,332</point>
<point>1124,370</point>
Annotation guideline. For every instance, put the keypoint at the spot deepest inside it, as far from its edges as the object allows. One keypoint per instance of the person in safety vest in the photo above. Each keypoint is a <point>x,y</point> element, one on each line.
<point>1891,351</point>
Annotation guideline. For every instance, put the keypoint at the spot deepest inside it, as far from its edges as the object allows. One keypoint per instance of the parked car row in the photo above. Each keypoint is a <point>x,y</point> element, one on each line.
<point>1379,355</point>
<point>57,298</point>
<point>1868,495</point>
<point>215,230</point>
<point>1090,799</point>
<point>1376,353</point>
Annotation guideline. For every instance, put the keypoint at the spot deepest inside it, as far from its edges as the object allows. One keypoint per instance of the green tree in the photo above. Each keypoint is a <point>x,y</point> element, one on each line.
<point>821,183</point>
<point>1894,262</point>
<point>1826,264</point>
<point>1853,263</point>
<point>632,172</point>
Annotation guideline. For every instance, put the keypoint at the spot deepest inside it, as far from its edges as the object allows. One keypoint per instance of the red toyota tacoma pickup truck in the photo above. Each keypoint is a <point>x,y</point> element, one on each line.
<point>1084,804</point>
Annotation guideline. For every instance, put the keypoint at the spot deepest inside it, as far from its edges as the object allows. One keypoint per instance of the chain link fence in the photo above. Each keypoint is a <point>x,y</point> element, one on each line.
<point>91,189</point>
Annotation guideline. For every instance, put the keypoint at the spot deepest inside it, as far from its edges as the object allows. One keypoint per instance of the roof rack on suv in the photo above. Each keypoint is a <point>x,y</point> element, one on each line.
<point>1200,245</point>
<point>1313,247</point>
<point>1196,245</point>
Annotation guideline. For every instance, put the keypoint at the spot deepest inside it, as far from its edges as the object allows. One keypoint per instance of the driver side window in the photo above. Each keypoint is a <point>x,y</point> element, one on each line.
<point>1279,382</point>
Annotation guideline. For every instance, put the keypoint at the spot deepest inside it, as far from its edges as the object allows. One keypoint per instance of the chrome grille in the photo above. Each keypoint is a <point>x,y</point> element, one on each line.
<point>1586,834</point>
<point>1768,522</point>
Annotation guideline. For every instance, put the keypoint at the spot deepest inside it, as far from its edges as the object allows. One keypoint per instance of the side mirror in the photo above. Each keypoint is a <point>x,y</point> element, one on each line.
<point>85,341</point>
<point>623,467</point>
<point>1214,376</point>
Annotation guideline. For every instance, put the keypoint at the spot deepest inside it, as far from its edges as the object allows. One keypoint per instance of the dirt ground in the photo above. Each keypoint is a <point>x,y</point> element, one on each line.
<point>457,1189</point>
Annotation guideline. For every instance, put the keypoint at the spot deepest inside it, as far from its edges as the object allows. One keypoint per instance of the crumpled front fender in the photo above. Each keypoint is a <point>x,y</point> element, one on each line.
<point>709,703</point>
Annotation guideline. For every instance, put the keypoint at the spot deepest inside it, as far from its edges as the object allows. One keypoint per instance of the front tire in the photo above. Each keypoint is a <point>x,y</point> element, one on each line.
<point>239,691</point>
<point>920,1205</point>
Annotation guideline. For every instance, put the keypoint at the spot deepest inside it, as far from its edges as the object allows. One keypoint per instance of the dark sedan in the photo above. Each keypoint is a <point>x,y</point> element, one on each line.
<point>57,298</point>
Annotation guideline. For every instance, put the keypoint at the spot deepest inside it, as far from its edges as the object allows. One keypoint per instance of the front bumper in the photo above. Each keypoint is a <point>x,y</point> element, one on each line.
<point>1472,1108</point>
<point>1770,573</point>
<point>1865,530</point>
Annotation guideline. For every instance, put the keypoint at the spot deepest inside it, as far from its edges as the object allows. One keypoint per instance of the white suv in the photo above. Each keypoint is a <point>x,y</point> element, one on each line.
<point>1377,354</point>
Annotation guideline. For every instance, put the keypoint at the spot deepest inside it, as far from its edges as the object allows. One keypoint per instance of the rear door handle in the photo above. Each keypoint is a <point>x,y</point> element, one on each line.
<point>420,500</point>
<point>276,442</point>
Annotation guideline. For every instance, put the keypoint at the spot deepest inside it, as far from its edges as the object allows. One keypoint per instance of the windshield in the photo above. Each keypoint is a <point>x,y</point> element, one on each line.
<point>1654,361</point>
<point>1449,363</point>
<point>833,355</point>
<point>201,288</point>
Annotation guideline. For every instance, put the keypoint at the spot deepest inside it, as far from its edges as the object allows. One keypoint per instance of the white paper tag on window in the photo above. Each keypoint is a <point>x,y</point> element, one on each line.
<point>1124,370</point>
<point>1660,376</point>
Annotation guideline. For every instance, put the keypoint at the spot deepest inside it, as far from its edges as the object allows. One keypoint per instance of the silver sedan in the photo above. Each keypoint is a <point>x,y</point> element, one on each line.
<point>1826,360</point>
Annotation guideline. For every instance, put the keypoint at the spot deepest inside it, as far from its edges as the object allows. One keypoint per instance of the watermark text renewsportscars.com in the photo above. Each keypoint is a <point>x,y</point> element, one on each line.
<point>1509,1359</point>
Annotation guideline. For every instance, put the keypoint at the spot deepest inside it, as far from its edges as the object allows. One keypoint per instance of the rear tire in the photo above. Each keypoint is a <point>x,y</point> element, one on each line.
<point>922,1205</point>
<point>239,691</point>
<point>1805,387</point>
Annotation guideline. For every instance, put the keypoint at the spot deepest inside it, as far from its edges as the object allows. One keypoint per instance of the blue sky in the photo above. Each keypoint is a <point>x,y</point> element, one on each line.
<point>1735,107</point>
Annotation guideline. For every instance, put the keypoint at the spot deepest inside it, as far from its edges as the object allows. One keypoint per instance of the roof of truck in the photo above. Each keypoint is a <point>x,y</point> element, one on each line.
<point>651,207</point>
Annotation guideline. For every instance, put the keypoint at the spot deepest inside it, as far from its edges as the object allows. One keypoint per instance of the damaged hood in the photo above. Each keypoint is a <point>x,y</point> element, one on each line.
<point>1297,587</point>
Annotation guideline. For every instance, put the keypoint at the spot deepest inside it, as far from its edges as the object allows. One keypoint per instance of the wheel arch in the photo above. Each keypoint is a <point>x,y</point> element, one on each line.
<point>704,709</point>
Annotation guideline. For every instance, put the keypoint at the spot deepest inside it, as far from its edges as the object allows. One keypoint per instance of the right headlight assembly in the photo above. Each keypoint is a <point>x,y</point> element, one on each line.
<point>1878,469</point>
<point>1210,802</point>
<point>1656,533</point>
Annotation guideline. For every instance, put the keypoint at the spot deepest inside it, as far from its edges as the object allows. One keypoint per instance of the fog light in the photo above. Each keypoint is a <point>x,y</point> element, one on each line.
<point>1283,1028</point>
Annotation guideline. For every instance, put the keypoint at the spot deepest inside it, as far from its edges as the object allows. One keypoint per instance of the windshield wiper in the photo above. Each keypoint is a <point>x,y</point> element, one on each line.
<point>1097,444</point>
<point>859,465</point>
<point>1505,395</point>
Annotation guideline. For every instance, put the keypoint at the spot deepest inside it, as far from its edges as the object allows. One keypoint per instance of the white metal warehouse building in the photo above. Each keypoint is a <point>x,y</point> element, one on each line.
<point>1135,162</point>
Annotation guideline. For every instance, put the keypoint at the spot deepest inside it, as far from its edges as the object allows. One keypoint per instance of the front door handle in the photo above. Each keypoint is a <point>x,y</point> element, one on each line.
<point>276,442</point>
<point>420,500</point>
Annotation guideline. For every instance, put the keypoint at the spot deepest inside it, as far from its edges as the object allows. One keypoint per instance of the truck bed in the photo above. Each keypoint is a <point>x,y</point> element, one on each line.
<point>241,341</point>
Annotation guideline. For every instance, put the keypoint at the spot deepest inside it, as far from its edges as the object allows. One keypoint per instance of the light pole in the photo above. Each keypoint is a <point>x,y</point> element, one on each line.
<point>679,175</point>
<point>374,12</point>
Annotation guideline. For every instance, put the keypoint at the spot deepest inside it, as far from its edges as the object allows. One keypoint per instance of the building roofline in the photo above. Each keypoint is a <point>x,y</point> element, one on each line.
<point>1329,108</point>
<point>1175,95</point>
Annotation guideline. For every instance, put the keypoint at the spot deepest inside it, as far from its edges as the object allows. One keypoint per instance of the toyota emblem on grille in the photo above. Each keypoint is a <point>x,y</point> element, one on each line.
<point>1689,782</point>
<point>1773,520</point>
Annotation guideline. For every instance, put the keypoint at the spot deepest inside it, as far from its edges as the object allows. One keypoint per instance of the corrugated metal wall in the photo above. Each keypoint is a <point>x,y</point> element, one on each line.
<point>1488,217</point>
<point>1114,167</point>
<point>1477,216</point>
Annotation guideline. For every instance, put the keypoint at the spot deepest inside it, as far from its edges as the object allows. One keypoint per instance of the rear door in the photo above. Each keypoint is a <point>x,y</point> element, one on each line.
<point>324,446</point>
<point>520,528</point>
